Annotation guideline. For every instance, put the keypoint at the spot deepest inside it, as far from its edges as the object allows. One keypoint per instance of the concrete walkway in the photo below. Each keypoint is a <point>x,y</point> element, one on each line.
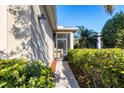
<point>64,77</point>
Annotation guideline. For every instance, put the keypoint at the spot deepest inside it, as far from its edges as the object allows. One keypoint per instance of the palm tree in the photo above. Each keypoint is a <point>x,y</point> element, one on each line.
<point>109,8</point>
<point>76,40</point>
<point>88,38</point>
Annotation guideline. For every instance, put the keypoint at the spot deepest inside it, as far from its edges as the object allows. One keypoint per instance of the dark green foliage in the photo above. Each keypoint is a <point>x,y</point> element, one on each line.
<point>113,32</point>
<point>85,38</point>
<point>24,74</point>
<point>102,68</point>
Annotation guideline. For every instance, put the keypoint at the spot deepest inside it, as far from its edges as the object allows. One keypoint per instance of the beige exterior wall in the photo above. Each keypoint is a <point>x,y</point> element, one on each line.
<point>3,27</point>
<point>42,35</point>
<point>25,35</point>
<point>18,27</point>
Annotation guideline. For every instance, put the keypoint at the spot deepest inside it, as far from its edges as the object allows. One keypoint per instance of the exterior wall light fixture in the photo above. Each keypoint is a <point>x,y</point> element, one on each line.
<point>41,17</point>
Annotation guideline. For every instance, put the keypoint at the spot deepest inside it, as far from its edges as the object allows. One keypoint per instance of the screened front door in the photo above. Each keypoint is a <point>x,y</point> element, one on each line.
<point>62,44</point>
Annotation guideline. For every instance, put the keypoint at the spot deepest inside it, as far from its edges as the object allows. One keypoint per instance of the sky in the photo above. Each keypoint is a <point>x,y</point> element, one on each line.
<point>92,17</point>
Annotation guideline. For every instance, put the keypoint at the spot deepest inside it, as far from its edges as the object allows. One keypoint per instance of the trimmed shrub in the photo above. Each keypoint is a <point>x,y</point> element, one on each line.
<point>102,67</point>
<point>20,73</point>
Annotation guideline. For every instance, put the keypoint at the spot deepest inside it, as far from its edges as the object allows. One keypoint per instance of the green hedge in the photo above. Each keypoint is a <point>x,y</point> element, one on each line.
<point>24,74</point>
<point>102,68</point>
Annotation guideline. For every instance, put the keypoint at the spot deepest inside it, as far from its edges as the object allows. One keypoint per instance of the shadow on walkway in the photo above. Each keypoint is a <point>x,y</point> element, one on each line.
<point>69,75</point>
<point>64,77</point>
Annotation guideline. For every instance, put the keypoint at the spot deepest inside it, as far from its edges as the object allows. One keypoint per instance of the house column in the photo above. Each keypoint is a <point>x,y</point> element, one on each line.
<point>71,41</point>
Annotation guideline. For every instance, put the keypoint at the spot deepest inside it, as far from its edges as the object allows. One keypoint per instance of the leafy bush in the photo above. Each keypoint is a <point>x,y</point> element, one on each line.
<point>113,31</point>
<point>102,68</point>
<point>24,74</point>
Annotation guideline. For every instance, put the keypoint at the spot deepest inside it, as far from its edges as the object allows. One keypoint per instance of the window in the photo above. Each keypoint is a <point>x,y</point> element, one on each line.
<point>61,35</point>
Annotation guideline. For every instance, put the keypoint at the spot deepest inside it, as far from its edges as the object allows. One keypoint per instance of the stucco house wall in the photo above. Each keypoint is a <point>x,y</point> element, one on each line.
<point>18,29</point>
<point>3,28</point>
<point>42,35</point>
<point>24,34</point>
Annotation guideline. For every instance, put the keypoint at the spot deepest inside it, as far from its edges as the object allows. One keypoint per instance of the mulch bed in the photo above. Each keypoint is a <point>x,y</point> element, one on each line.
<point>79,75</point>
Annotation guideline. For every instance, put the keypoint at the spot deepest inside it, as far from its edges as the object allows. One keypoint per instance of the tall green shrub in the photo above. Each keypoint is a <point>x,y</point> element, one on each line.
<point>102,68</point>
<point>113,32</point>
<point>25,74</point>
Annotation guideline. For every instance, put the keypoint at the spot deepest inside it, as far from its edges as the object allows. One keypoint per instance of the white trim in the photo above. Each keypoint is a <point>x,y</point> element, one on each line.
<point>63,32</point>
<point>62,39</point>
<point>66,28</point>
<point>71,41</point>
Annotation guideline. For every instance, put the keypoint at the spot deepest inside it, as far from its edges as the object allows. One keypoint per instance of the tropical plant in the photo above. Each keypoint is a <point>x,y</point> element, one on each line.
<point>113,31</point>
<point>86,38</point>
<point>109,8</point>
<point>76,40</point>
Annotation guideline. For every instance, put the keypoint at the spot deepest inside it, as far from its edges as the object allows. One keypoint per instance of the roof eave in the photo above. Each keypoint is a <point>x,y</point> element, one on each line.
<point>51,12</point>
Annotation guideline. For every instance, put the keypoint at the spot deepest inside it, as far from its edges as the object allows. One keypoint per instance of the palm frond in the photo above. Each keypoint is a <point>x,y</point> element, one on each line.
<point>109,8</point>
